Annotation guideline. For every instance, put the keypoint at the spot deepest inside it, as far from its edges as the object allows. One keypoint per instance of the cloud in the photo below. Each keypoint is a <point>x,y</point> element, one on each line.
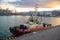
<point>9,0</point>
<point>29,2</point>
<point>41,3</point>
<point>53,3</point>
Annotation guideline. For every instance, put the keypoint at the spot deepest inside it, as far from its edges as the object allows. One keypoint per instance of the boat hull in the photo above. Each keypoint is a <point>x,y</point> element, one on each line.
<point>19,32</point>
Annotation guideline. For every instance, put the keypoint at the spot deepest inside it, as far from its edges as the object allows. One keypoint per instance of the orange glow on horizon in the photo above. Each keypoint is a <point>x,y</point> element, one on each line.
<point>27,9</point>
<point>52,5</point>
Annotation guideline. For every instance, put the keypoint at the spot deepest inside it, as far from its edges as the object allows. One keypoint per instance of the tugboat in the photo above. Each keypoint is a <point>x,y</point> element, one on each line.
<point>31,25</point>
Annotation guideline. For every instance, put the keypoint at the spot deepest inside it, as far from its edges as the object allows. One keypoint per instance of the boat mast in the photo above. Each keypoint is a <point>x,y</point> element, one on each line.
<point>36,13</point>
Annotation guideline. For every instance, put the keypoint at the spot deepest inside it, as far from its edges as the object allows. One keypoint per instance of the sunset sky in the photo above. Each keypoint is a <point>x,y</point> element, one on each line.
<point>31,3</point>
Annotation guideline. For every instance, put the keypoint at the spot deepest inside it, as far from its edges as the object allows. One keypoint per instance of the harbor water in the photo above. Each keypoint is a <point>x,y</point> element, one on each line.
<point>11,21</point>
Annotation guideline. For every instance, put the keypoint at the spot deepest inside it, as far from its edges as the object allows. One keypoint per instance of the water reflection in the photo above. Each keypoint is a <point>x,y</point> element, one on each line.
<point>55,21</point>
